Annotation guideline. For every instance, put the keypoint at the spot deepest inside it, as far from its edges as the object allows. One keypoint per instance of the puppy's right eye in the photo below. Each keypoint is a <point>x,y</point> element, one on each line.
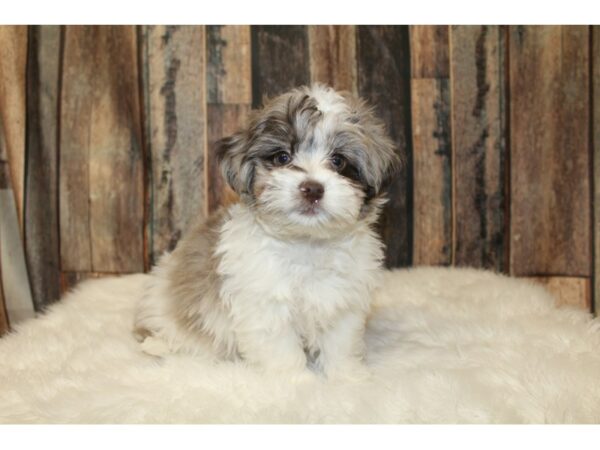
<point>282,158</point>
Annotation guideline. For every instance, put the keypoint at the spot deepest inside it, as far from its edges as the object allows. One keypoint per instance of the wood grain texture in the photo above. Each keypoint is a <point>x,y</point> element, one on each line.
<point>42,248</point>
<point>429,51</point>
<point>332,50</point>
<point>596,157</point>
<point>550,154</point>
<point>568,291</point>
<point>432,164</point>
<point>174,89</point>
<point>279,60</point>
<point>478,145</point>
<point>13,62</point>
<point>384,79</point>
<point>228,64</point>
<point>101,162</point>
<point>432,172</point>
<point>223,120</point>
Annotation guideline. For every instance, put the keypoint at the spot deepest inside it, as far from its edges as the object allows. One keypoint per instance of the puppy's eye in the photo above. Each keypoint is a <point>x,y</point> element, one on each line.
<point>338,162</point>
<point>282,158</point>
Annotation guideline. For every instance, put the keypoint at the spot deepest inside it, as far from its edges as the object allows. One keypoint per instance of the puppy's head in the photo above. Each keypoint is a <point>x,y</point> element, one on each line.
<point>311,162</point>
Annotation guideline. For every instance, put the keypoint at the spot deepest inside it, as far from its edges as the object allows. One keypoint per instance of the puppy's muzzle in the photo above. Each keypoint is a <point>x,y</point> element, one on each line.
<point>312,191</point>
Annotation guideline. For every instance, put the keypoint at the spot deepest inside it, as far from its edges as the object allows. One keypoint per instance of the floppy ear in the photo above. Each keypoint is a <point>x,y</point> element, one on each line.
<point>384,159</point>
<point>237,169</point>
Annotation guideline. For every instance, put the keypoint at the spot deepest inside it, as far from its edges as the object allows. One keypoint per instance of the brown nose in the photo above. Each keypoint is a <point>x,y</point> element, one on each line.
<point>312,191</point>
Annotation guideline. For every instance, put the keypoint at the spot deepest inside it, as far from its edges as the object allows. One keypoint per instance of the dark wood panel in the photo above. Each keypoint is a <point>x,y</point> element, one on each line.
<point>13,61</point>
<point>550,154</point>
<point>279,60</point>
<point>223,120</point>
<point>228,64</point>
<point>479,146</point>
<point>42,248</point>
<point>429,51</point>
<point>174,91</point>
<point>432,172</point>
<point>332,51</point>
<point>101,161</point>
<point>384,79</point>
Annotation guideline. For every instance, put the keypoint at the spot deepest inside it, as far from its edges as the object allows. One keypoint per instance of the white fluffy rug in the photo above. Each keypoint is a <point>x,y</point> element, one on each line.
<point>444,345</point>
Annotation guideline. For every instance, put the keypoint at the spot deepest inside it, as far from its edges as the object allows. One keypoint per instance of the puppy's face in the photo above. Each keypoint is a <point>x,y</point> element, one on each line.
<point>312,162</point>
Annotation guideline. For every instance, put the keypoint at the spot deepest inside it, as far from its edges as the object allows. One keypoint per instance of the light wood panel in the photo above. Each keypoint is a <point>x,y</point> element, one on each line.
<point>332,51</point>
<point>101,160</point>
<point>432,142</point>
<point>568,291</point>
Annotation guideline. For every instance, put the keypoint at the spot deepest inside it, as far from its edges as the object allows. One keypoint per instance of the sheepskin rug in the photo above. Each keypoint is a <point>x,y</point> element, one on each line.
<point>444,345</point>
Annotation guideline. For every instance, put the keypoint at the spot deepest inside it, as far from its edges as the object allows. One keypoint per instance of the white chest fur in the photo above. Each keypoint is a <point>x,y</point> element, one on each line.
<point>274,283</point>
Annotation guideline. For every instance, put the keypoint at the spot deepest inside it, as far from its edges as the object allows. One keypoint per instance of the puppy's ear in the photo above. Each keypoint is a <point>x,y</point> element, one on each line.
<point>236,168</point>
<point>384,161</point>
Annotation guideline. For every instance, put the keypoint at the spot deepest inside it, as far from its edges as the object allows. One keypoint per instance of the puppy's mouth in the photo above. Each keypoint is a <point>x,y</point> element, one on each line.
<point>311,209</point>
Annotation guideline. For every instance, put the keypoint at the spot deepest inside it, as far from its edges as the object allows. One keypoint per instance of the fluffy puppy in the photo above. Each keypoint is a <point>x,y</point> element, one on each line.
<point>284,277</point>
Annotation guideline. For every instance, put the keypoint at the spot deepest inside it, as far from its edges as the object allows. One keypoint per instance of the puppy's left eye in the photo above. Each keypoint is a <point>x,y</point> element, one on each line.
<point>338,162</point>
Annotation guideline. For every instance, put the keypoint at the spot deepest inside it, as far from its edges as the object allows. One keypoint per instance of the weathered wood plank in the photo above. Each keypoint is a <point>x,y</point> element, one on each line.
<point>174,89</point>
<point>101,163</point>
<point>332,50</point>
<point>75,121</point>
<point>568,291</point>
<point>550,154</point>
<point>432,166</point>
<point>432,172</point>
<point>13,61</point>
<point>279,60</point>
<point>228,64</point>
<point>41,182</point>
<point>15,282</point>
<point>596,156</point>
<point>223,120</point>
<point>384,79</point>
<point>429,51</point>
<point>478,145</point>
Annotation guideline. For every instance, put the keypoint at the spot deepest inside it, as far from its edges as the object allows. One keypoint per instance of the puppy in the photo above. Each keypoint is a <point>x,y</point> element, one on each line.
<point>283,278</point>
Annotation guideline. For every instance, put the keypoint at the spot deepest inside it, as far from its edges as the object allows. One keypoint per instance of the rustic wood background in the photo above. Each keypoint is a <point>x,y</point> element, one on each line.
<point>106,132</point>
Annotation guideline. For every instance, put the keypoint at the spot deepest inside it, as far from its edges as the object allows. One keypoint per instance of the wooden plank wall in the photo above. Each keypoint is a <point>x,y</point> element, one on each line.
<point>107,133</point>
